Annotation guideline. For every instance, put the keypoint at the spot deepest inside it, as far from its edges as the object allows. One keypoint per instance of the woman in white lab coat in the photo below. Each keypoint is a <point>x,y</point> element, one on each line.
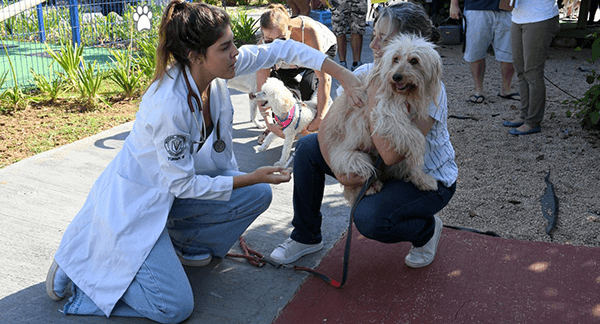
<point>173,195</point>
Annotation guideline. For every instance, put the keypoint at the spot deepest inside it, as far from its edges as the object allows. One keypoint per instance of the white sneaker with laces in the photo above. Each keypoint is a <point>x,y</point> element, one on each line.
<point>290,251</point>
<point>419,257</point>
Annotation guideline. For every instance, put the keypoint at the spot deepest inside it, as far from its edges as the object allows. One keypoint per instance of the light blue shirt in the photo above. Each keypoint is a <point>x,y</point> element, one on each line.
<point>439,153</point>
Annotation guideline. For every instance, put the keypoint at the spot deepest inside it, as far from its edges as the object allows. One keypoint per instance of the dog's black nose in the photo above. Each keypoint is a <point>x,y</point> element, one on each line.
<point>397,77</point>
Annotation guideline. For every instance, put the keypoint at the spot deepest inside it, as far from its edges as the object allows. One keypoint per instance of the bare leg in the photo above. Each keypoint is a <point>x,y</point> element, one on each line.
<point>341,44</point>
<point>478,71</point>
<point>507,71</point>
<point>356,41</point>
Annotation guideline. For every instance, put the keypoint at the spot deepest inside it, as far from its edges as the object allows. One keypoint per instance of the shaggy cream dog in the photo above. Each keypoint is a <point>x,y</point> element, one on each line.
<point>291,114</point>
<point>406,79</point>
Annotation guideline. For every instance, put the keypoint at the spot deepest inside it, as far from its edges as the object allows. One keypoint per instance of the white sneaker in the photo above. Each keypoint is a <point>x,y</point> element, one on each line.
<point>419,257</point>
<point>290,251</point>
<point>56,282</point>
<point>194,260</point>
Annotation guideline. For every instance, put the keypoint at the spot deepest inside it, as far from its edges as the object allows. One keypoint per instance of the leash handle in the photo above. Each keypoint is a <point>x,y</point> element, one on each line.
<point>346,261</point>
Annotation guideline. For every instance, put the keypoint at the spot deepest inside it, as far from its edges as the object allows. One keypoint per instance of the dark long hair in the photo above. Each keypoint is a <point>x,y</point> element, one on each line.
<point>187,28</point>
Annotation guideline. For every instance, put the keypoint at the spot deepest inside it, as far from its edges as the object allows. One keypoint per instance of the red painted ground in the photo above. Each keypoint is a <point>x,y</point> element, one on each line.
<point>474,279</point>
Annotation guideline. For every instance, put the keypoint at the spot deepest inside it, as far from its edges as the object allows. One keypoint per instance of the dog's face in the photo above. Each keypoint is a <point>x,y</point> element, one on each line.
<point>410,66</point>
<point>275,95</point>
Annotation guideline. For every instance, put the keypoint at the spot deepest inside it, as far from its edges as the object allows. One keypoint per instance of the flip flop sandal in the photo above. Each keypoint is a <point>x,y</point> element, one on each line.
<point>511,96</point>
<point>476,99</point>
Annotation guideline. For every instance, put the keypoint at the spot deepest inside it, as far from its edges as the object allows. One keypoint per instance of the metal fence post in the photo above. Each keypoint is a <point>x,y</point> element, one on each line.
<point>74,19</point>
<point>41,28</point>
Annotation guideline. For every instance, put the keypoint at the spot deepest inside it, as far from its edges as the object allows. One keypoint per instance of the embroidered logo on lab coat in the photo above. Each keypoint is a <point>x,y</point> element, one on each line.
<point>174,145</point>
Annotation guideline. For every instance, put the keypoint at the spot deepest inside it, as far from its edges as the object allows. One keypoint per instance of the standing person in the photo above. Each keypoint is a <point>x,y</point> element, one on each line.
<point>349,16</point>
<point>487,25</point>
<point>275,23</point>
<point>299,7</point>
<point>594,4</point>
<point>534,25</point>
<point>167,200</point>
<point>400,212</point>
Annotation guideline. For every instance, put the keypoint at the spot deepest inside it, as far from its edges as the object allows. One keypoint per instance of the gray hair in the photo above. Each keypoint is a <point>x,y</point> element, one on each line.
<point>408,18</point>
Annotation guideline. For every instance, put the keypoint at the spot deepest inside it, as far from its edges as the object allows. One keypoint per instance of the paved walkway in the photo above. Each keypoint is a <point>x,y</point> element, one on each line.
<point>40,195</point>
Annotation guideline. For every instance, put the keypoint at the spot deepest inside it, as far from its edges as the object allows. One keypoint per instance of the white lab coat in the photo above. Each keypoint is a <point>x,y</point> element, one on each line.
<point>127,207</point>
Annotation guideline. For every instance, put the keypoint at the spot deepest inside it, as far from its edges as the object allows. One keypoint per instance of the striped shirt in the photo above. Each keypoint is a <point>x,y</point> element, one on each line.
<point>439,153</point>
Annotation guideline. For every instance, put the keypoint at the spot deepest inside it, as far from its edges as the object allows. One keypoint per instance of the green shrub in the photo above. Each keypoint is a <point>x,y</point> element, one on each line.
<point>244,29</point>
<point>588,107</point>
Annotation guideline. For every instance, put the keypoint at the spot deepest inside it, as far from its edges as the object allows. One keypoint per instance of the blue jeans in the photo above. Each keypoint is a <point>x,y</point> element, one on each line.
<point>161,290</point>
<point>399,213</point>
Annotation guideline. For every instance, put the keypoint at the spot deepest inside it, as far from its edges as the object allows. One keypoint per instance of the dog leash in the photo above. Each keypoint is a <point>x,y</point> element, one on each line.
<point>346,261</point>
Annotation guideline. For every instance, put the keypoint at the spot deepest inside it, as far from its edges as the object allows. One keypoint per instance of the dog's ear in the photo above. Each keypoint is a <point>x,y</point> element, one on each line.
<point>434,82</point>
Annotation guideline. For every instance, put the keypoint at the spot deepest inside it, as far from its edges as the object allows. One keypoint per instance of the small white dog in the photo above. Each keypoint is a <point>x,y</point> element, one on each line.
<point>407,78</point>
<point>293,115</point>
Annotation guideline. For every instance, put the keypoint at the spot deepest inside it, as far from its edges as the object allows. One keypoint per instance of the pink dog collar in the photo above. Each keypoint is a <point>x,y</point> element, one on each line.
<point>290,117</point>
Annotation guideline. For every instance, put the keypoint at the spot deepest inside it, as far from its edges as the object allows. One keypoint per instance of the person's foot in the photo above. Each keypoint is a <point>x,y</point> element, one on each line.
<point>525,130</point>
<point>290,251</point>
<point>513,123</point>
<point>57,282</point>
<point>419,257</point>
<point>343,63</point>
<point>510,96</point>
<point>194,260</point>
<point>476,99</point>
<point>355,65</point>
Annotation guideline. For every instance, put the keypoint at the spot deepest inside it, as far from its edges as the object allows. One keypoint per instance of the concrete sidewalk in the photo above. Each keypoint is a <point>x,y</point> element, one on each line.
<point>40,196</point>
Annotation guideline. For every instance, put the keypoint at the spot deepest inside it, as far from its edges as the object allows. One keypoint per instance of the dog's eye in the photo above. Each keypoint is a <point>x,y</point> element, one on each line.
<point>413,61</point>
<point>396,60</point>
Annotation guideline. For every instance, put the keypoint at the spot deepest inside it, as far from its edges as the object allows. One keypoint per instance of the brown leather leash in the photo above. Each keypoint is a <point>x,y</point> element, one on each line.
<point>255,258</point>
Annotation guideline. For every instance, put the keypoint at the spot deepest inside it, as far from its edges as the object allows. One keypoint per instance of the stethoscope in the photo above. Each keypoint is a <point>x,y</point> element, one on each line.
<point>218,145</point>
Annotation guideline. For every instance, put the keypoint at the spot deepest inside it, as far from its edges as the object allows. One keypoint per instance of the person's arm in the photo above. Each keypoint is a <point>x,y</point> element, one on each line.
<point>323,97</point>
<point>348,80</point>
<point>454,9</point>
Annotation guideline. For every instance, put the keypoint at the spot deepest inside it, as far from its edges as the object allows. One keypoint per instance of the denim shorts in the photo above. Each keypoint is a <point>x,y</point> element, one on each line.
<point>485,28</point>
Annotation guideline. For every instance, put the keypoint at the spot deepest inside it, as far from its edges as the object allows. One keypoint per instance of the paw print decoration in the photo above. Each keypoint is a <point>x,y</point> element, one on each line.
<point>142,17</point>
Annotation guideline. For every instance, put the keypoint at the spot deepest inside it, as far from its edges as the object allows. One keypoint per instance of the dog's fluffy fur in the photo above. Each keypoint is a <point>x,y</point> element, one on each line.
<point>406,78</point>
<point>247,84</point>
<point>281,100</point>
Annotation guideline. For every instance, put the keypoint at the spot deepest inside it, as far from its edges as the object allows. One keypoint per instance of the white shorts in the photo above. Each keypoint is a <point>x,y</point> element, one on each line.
<point>485,28</point>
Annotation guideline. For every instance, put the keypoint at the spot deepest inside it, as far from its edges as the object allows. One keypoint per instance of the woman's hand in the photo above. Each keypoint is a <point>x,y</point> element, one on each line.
<point>266,174</point>
<point>271,126</point>
<point>314,125</point>
<point>350,82</point>
<point>351,180</point>
<point>273,175</point>
<point>352,85</point>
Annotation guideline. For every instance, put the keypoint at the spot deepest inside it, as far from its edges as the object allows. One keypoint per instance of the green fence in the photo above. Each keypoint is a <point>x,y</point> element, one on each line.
<point>26,29</point>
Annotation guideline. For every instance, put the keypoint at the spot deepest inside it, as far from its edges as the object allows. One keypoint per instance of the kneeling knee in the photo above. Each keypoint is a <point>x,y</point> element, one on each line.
<point>178,313</point>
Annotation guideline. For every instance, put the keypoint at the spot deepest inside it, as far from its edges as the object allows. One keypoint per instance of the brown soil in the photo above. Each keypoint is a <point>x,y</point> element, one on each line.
<point>42,126</point>
<point>501,176</point>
